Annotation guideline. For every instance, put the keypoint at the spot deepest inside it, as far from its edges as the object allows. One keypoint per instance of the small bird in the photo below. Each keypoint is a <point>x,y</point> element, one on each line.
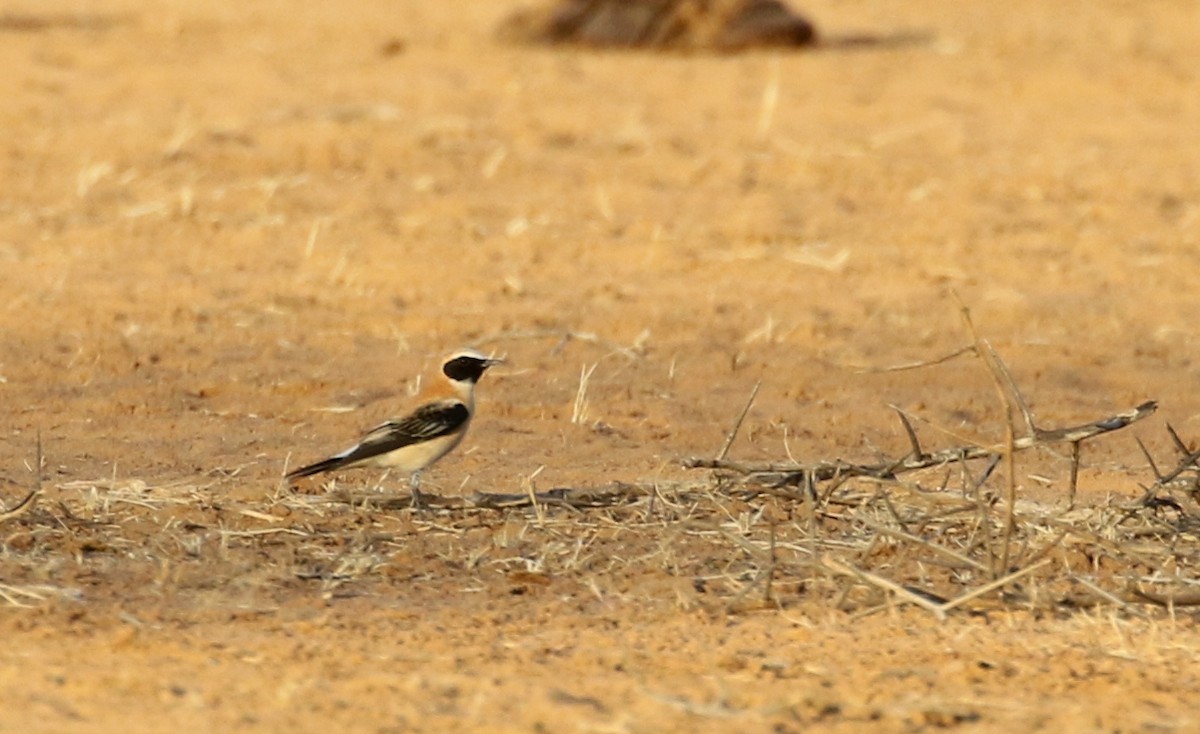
<point>415,441</point>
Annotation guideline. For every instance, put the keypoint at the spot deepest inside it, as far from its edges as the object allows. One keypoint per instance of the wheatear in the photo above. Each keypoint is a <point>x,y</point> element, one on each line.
<point>425,435</point>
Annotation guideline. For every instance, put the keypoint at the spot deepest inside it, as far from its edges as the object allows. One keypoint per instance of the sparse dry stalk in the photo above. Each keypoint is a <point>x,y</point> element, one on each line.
<point>737,425</point>
<point>991,360</point>
<point>579,413</point>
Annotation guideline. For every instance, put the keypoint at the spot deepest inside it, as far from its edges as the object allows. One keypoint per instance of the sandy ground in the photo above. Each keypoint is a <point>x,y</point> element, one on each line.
<point>232,234</point>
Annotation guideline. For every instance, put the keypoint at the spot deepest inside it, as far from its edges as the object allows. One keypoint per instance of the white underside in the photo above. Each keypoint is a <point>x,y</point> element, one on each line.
<point>415,457</point>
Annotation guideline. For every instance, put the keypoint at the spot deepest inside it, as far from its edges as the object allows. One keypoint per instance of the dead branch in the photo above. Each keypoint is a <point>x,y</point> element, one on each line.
<point>1009,399</point>
<point>969,349</point>
<point>779,474</point>
<point>612,495</point>
<point>1190,599</point>
<point>21,507</point>
<point>737,425</point>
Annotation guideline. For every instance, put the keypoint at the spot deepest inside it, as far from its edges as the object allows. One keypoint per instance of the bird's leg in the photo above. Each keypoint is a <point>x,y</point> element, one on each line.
<point>414,484</point>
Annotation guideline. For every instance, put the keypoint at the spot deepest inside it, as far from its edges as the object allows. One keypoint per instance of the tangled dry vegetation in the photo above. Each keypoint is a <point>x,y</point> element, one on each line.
<point>947,531</point>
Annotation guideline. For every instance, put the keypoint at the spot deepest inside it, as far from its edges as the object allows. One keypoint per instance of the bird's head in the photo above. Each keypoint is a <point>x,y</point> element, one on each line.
<point>467,366</point>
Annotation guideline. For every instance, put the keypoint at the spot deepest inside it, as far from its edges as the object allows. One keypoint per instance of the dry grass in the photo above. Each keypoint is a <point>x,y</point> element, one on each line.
<point>947,531</point>
<point>865,544</point>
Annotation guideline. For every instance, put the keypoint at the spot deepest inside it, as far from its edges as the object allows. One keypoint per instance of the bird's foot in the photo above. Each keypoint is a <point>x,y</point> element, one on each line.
<point>418,500</point>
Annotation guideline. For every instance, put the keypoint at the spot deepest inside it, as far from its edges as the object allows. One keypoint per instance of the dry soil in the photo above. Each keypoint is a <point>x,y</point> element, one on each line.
<point>232,234</point>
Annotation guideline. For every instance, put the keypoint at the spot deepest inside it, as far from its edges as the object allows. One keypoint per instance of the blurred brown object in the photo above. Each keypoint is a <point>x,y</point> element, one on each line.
<point>721,25</point>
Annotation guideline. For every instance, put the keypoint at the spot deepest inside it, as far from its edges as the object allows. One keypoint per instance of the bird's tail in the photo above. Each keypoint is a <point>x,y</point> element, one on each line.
<point>317,468</point>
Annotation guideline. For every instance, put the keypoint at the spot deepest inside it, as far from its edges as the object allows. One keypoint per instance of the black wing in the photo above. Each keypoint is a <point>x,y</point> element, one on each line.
<point>424,424</point>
